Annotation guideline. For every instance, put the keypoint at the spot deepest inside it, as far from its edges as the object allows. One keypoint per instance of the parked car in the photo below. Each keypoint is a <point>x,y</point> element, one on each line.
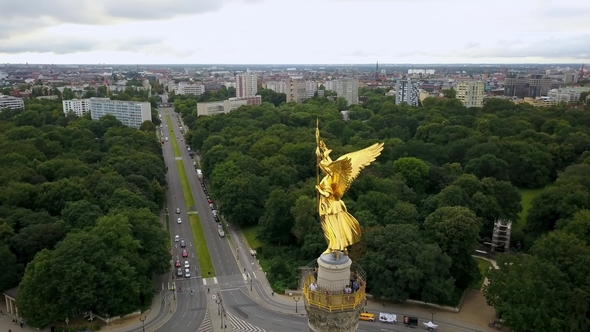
<point>185,253</point>
<point>211,206</point>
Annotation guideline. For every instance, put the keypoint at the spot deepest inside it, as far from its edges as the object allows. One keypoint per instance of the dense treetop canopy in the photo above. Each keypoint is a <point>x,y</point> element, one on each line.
<point>446,174</point>
<point>79,206</point>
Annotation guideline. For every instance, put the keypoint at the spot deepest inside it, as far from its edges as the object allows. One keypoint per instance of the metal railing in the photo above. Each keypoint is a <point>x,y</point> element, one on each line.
<point>332,300</point>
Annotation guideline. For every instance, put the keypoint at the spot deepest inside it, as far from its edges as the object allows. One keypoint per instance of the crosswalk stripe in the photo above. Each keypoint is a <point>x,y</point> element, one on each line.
<point>206,325</point>
<point>239,325</point>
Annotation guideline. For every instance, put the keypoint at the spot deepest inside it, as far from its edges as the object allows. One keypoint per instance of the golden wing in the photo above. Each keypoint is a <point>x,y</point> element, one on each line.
<point>358,160</point>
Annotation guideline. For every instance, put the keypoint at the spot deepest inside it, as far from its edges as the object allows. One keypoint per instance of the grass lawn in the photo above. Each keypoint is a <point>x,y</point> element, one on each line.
<point>201,246</point>
<point>250,233</point>
<point>173,139</point>
<point>484,266</point>
<point>198,236</point>
<point>527,197</point>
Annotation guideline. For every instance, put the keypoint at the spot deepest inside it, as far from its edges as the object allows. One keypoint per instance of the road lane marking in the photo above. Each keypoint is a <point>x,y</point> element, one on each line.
<point>189,323</point>
<point>214,280</point>
<point>205,281</point>
<point>245,277</point>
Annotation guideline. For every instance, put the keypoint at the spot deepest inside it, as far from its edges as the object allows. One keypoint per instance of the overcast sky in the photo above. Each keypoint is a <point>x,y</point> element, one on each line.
<point>294,31</point>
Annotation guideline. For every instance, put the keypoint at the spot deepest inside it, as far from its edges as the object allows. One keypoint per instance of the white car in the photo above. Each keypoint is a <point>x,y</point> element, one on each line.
<point>179,221</point>
<point>187,273</point>
<point>186,265</point>
<point>176,238</point>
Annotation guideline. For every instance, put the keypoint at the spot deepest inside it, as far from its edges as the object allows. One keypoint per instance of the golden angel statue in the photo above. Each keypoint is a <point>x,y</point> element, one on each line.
<point>341,229</point>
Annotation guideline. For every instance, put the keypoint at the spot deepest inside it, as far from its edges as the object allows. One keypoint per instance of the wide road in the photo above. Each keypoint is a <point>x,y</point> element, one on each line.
<point>190,297</point>
<point>232,283</point>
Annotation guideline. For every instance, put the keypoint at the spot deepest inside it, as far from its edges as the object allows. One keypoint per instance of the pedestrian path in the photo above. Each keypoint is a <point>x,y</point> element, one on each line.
<point>6,324</point>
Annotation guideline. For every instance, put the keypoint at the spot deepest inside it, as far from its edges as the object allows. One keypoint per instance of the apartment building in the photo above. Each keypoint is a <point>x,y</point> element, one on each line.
<point>407,91</point>
<point>471,93</point>
<point>11,102</point>
<point>189,89</point>
<point>567,95</point>
<point>246,85</point>
<point>77,106</point>
<point>348,88</point>
<point>311,87</point>
<point>571,77</point>
<point>276,86</point>
<point>226,106</point>
<point>130,113</point>
<point>526,86</point>
<point>295,89</point>
<point>330,85</point>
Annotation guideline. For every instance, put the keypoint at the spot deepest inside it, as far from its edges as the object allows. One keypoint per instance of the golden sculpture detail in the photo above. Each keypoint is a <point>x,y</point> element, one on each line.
<point>341,229</point>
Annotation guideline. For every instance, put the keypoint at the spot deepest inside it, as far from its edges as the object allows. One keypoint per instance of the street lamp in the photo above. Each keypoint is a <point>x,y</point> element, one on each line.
<point>250,283</point>
<point>432,313</point>
<point>143,323</point>
<point>296,299</point>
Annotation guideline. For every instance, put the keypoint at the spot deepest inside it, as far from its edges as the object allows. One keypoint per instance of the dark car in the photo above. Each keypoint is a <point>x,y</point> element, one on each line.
<point>182,243</point>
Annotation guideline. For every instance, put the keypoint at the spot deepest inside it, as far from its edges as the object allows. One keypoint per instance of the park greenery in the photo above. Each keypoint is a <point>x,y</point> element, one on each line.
<point>446,174</point>
<point>79,213</point>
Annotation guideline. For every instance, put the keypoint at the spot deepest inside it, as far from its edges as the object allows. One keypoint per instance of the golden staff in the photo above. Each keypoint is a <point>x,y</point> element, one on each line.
<point>317,169</point>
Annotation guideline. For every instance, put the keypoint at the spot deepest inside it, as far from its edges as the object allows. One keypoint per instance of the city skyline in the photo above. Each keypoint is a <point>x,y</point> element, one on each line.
<point>302,32</point>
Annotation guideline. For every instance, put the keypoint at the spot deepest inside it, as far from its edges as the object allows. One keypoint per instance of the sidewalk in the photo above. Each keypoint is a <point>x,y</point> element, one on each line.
<point>6,324</point>
<point>155,317</point>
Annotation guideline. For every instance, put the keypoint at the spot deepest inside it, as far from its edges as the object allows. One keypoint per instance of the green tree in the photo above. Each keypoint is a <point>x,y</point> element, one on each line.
<point>456,231</point>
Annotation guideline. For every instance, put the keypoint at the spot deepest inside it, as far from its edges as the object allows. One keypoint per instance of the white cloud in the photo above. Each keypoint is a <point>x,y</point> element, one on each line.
<point>302,31</point>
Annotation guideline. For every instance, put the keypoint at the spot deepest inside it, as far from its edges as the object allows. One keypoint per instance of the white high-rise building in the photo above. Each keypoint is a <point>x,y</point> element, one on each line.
<point>246,85</point>
<point>330,85</point>
<point>311,87</point>
<point>296,89</point>
<point>471,93</point>
<point>77,106</point>
<point>130,113</point>
<point>407,91</point>
<point>277,86</point>
<point>348,88</point>
<point>189,89</point>
<point>11,102</point>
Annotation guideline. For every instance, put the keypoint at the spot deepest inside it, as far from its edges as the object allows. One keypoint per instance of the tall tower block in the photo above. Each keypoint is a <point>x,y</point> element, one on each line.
<point>334,293</point>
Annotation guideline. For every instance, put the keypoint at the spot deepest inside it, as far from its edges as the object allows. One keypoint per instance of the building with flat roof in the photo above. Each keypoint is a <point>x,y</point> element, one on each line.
<point>77,106</point>
<point>276,86</point>
<point>246,85</point>
<point>471,93</point>
<point>189,89</point>
<point>130,113</point>
<point>407,91</point>
<point>11,102</point>
<point>295,89</point>
<point>348,88</point>
<point>226,106</point>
